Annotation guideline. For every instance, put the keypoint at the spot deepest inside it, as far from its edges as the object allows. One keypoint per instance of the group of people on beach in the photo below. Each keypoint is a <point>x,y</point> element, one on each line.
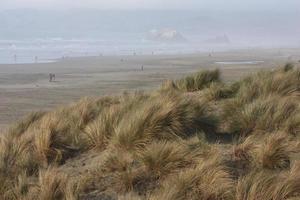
<point>51,77</point>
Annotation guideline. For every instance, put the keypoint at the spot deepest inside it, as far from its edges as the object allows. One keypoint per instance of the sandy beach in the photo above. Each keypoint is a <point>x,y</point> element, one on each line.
<point>25,87</point>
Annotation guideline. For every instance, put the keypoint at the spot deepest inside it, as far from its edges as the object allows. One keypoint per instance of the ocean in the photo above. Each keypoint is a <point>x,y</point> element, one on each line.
<point>29,36</point>
<point>51,49</point>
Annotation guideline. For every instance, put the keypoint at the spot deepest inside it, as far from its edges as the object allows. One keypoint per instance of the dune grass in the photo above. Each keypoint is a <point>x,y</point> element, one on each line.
<point>193,138</point>
<point>195,82</point>
<point>269,113</point>
<point>207,180</point>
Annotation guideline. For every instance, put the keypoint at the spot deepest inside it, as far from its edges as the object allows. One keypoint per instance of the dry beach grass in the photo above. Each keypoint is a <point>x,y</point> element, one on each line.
<point>193,138</point>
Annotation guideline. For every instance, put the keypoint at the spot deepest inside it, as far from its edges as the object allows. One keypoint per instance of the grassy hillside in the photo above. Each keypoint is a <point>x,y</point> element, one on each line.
<point>194,138</point>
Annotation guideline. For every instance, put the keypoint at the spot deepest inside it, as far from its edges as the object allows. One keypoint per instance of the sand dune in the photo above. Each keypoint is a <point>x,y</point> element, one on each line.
<point>26,87</point>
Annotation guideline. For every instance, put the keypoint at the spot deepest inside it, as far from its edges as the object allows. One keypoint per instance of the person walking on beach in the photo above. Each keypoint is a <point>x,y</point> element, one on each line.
<point>51,77</point>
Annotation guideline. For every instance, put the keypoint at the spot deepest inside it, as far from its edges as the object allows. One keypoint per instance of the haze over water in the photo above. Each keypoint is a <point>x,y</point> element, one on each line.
<point>30,35</point>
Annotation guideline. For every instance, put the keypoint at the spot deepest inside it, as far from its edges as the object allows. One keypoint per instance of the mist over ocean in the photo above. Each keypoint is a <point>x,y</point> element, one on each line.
<point>28,36</point>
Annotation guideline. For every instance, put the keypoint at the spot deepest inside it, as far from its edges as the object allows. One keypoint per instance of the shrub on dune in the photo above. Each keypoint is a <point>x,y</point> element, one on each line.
<point>289,185</point>
<point>267,83</point>
<point>241,160</point>
<point>17,189</point>
<point>10,152</point>
<point>287,67</point>
<point>267,114</point>
<point>58,135</point>
<point>168,85</point>
<point>208,180</point>
<point>16,156</point>
<point>143,170</point>
<point>124,170</point>
<point>99,131</point>
<point>53,140</point>
<point>195,82</point>
<point>117,161</point>
<point>217,91</point>
<point>292,125</point>
<point>256,185</point>
<point>270,186</point>
<point>51,185</point>
<point>124,180</point>
<point>161,158</point>
<point>162,117</point>
<point>275,152</point>
<point>24,124</point>
<point>88,109</point>
<point>205,78</point>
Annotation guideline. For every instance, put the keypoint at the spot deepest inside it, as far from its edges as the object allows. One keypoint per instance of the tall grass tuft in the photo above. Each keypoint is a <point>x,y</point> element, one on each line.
<point>266,83</point>
<point>288,67</point>
<point>275,152</point>
<point>51,185</point>
<point>162,158</point>
<point>162,117</point>
<point>99,131</point>
<point>269,114</point>
<point>209,180</point>
<point>270,186</point>
<point>195,82</point>
<point>23,125</point>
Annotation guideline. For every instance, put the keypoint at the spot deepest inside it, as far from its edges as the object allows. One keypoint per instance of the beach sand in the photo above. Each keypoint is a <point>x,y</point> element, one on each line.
<point>25,87</point>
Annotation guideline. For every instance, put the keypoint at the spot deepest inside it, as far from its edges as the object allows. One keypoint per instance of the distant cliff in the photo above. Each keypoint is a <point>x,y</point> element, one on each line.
<point>165,35</point>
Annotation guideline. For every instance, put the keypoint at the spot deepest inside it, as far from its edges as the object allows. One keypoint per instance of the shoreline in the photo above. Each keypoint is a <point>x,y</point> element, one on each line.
<point>194,53</point>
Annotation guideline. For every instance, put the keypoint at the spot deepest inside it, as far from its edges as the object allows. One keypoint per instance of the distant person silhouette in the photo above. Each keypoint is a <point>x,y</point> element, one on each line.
<point>15,58</point>
<point>51,77</point>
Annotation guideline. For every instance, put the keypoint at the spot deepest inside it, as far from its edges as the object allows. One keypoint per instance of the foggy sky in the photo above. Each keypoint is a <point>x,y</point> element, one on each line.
<point>153,4</point>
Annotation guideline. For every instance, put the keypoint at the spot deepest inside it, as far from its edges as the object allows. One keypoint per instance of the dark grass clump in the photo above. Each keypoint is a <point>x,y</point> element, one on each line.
<point>288,67</point>
<point>196,82</point>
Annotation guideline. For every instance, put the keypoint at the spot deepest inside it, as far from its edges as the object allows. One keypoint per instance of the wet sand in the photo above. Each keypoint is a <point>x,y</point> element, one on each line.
<point>25,87</point>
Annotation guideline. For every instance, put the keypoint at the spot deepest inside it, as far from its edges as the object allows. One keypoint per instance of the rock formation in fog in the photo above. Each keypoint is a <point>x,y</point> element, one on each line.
<point>165,35</point>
